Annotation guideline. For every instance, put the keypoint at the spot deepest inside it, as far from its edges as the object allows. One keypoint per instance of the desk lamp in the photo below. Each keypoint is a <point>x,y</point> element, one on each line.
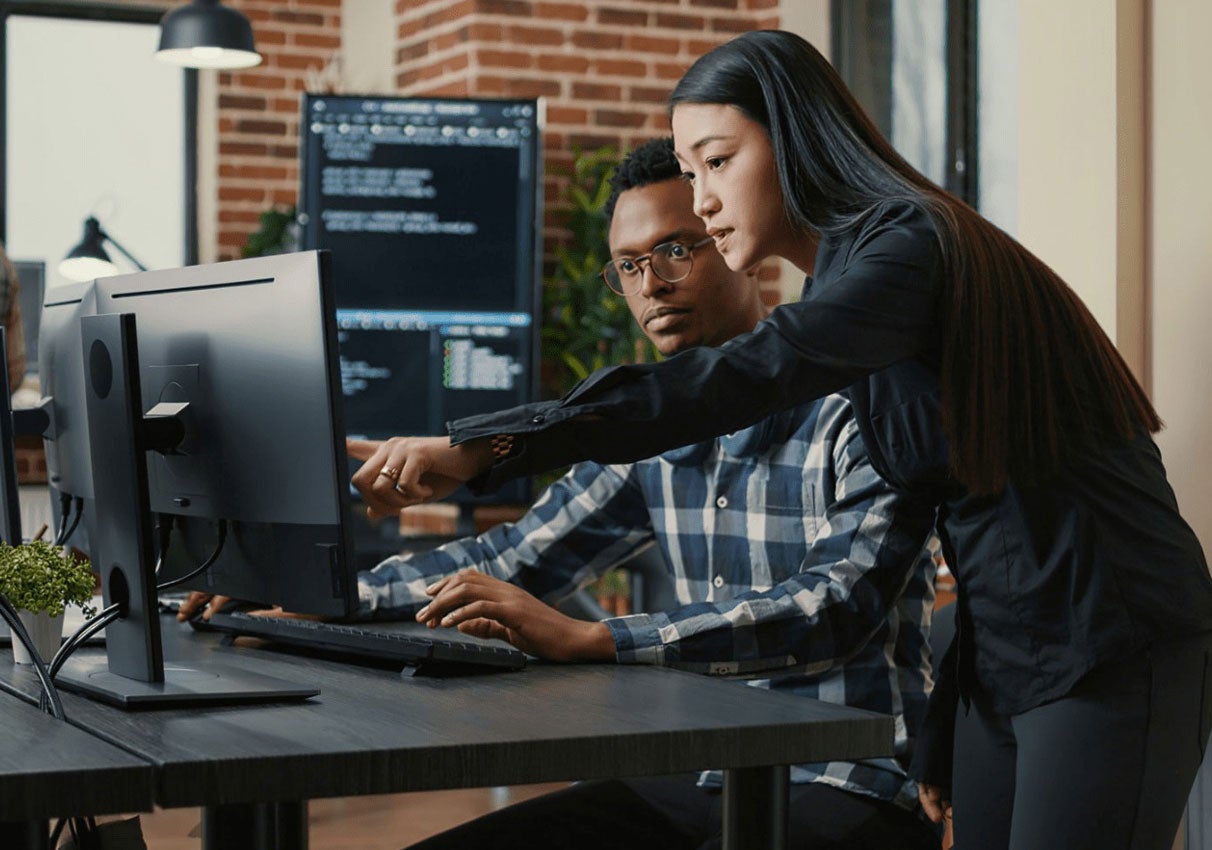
<point>89,259</point>
<point>207,34</point>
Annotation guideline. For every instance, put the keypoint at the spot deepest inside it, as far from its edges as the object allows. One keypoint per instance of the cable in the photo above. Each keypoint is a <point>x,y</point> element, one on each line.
<point>82,634</point>
<point>79,503</point>
<point>19,633</point>
<point>206,565</point>
<point>65,513</point>
<point>164,533</point>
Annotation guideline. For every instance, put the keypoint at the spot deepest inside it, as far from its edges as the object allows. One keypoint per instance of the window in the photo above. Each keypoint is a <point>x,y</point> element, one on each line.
<point>912,65</point>
<point>94,125</point>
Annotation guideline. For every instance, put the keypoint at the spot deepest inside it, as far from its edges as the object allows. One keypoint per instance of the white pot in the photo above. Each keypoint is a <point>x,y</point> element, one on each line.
<point>44,630</point>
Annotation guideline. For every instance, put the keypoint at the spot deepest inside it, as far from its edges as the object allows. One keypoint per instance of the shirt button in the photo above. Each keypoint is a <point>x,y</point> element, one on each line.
<point>718,581</point>
<point>538,419</point>
<point>721,502</point>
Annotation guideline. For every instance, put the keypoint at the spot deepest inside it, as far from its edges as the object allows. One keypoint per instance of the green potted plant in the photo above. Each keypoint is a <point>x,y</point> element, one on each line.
<point>39,580</point>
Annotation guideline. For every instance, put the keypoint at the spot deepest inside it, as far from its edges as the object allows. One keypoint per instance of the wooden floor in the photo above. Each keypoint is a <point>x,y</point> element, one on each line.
<point>386,822</point>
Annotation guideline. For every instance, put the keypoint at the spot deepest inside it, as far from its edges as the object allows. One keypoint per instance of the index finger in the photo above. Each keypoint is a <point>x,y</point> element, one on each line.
<point>362,449</point>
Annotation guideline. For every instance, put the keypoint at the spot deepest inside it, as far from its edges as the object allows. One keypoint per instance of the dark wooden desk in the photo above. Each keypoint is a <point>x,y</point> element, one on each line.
<point>372,732</point>
<point>51,769</point>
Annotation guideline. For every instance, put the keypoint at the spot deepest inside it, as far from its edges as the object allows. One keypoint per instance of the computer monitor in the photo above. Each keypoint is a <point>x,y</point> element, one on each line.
<point>32,277</point>
<point>217,391</point>
<point>432,210</point>
<point>61,374</point>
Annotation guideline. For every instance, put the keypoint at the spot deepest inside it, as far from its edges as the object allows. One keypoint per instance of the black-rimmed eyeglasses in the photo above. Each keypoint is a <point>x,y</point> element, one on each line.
<point>670,261</point>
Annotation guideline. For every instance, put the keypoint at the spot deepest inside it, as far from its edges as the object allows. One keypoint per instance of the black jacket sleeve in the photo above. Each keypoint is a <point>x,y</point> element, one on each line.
<point>871,305</point>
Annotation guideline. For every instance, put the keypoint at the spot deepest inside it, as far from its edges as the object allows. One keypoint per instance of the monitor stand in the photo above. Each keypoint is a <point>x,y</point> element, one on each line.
<point>134,675</point>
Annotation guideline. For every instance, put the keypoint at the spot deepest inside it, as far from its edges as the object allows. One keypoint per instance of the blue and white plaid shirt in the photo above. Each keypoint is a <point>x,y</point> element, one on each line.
<point>790,558</point>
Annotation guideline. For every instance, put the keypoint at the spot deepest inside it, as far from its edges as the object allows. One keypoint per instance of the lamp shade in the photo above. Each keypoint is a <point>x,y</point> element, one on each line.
<point>88,260</point>
<point>207,34</point>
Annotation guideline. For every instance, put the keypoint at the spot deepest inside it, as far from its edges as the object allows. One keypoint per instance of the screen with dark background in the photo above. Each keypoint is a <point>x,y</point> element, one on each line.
<point>429,207</point>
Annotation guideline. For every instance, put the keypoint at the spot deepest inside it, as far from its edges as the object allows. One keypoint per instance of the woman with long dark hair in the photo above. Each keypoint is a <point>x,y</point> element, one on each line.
<point>1083,655</point>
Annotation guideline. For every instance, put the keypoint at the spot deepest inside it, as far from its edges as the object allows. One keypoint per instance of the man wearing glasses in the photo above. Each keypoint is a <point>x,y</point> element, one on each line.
<point>791,561</point>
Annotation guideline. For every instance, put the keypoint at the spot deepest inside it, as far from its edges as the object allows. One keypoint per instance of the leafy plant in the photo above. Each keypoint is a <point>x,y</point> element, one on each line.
<point>37,576</point>
<point>276,234</point>
<point>585,325</point>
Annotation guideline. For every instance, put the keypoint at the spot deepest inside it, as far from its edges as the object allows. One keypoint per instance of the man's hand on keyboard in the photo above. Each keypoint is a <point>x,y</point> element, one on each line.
<point>208,604</point>
<point>487,607</point>
<point>199,600</point>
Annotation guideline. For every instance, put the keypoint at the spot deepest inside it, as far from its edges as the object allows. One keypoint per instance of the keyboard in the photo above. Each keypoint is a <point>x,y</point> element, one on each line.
<point>417,648</point>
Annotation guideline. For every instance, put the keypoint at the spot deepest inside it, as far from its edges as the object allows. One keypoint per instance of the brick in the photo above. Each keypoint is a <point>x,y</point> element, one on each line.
<point>295,62</point>
<point>234,101</point>
<point>622,17</point>
<point>567,62</point>
<point>489,84</point>
<point>253,172</point>
<point>482,31</point>
<point>533,36</point>
<point>596,40</point>
<point>521,8</point>
<point>234,193</point>
<point>309,39</point>
<point>698,46</point>
<point>652,44</point>
<point>238,217</point>
<point>532,88</point>
<point>733,25</point>
<point>649,94</point>
<point>669,70</point>
<point>592,141</point>
<point>504,59</point>
<point>263,80</point>
<point>457,88</point>
<point>620,68</point>
<point>715,4</point>
<point>566,115</point>
<point>761,4</point>
<point>242,148</point>
<point>289,16</point>
<point>596,91</point>
<point>680,22</point>
<point>408,52</point>
<point>616,118</point>
<point>561,11</point>
<point>260,127</point>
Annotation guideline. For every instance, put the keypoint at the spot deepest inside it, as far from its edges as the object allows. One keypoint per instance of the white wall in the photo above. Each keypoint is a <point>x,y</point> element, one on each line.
<point>1181,255</point>
<point>1067,144</point>
<point>368,43</point>
<point>810,19</point>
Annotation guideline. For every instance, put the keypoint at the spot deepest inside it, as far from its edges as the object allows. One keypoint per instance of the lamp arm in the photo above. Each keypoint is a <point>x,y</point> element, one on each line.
<point>111,240</point>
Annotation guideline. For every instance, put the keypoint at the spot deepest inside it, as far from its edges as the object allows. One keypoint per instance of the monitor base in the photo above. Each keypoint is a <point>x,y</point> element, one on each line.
<point>183,686</point>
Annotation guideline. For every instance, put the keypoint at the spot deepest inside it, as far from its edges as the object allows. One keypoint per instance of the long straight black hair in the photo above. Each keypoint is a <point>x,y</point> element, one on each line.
<point>1028,378</point>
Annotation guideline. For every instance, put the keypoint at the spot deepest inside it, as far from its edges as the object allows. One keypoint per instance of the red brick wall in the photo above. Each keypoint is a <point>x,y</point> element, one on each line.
<point>258,112</point>
<point>605,67</point>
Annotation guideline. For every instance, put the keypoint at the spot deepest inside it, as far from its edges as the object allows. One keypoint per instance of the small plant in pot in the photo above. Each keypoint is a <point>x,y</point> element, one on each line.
<point>39,580</point>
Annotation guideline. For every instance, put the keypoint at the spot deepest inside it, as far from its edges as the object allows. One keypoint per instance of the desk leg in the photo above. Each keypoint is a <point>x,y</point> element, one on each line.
<point>755,808</point>
<point>27,835</point>
<point>255,826</point>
